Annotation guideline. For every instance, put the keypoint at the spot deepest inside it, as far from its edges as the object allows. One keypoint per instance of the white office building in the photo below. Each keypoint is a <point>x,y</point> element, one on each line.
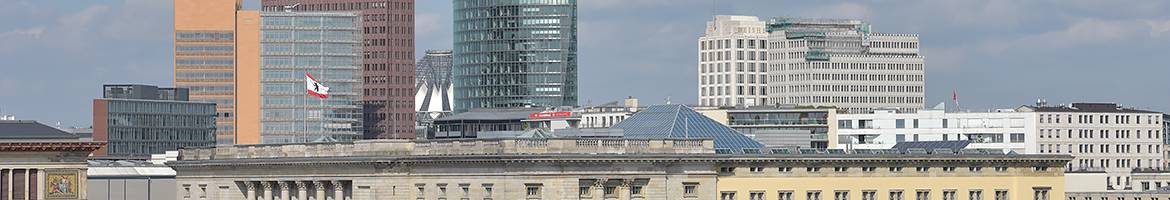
<point>1102,137</point>
<point>1004,129</point>
<point>732,60</point>
<point>841,63</point>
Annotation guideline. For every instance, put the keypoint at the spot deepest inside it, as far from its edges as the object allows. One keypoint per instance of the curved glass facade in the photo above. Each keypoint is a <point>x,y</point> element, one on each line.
<point>515,53</point>
<point>326,45</point>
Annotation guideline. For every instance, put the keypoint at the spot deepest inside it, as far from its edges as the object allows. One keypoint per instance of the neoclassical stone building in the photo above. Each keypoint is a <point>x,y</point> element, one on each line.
<point>507,169</point>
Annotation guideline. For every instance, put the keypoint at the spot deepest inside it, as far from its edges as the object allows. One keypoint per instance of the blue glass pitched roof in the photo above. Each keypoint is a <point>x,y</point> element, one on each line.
<point>680,121</point>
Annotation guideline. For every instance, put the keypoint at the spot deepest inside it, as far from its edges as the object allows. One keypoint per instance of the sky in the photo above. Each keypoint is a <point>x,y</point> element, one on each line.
<point>55,55</point>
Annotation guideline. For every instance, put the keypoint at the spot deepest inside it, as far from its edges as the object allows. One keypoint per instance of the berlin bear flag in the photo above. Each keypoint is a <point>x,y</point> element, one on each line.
<point>315,88</point>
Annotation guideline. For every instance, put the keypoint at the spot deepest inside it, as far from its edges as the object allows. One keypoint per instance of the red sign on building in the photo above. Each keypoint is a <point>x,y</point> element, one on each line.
<point>549,115</point>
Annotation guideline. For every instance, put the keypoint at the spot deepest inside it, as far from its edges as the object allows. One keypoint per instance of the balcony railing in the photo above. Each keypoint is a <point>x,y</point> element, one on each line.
<point>457,147</point>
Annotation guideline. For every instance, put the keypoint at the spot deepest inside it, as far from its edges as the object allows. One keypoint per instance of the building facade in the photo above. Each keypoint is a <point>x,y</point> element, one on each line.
<point>42,162</point>
<point>1166,141</point>
<point>434,67</point>
<point>139,120</point>
<point>387,53</point>
<point>129,180</point>
<point>1103,137</point>
<point>208,51</point>
<point>608,114</point>
<point>326,46</point>
<point>733,58</point>
<point>780,125</point>
<point>1005,129</point>
<point>666,169</point>
<point>515,54</point>
<point>841,63</point>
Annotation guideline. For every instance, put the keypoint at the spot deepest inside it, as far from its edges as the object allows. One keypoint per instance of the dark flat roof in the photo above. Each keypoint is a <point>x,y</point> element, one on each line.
<point>28,129</point>
<point>1088,108</point>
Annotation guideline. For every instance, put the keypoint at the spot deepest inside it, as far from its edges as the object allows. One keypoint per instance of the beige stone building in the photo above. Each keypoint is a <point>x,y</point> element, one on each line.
<point>600,169</point>
<point>39,162</point>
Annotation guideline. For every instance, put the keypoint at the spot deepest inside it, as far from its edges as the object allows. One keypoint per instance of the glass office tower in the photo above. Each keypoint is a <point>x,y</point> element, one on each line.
<point>326,45</point>
<point>515,53</point>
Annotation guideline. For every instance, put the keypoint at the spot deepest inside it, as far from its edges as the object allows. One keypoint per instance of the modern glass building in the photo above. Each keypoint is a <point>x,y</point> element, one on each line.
<point>139,120</point>
<point>326,45</point>
<point>515,53</point>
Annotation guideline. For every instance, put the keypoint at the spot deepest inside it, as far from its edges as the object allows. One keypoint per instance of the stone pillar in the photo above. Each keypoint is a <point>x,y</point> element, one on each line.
<point>319,186</point>
<point>251,191</point>
<point>267,190</point>
<point>302,190</point>
<point>41,185</point>
<point>599,189</point>
<point>623,190</point>
<point>283,190</point>
<point>8,188</point>
<point>27,191</point>
<point>338,190</point>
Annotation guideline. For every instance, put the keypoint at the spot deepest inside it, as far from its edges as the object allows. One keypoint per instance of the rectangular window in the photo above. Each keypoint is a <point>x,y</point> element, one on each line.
<point>784,195</point>
<point>1001,195</point>
<point>922,195</point>
<point>1040,193</point>
<point>727,196</point>
<point>532,190</point>
<point>949,195</point>
<point>841,195</point>
<point>896,195</point>
<point>869,195</point>
<point>690,189</point>
<point>975,195</point>
<point>1017,138</point>
<point>813,195</point>
<point>756,195</point>
<point>900,123</point>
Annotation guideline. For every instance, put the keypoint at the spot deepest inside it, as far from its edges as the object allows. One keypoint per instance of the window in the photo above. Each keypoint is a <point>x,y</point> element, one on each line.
<point>841,195</point>
<point>726,170</point>
<point>922,195</point>
<point>690,189</point>
<point>900,123</point>
<point>869,195</point>
<point>948,169</point>
<point>975,169</point>
<point>1040,193</point>
<point>813,169</point>
<point>636,191</point>
<point>813,195</point>
<point>975,195</point>
<point>868,169</point>
<point>1001,169</point>
<point>756,195</point>
<point>487,190</point>
<point>1001,195</point>
<point>1017,138</point>
<point>610,191</point>
<point>421,189</point>
<point>1040,169</point>
<point>584,191</point>
<point>922,169</point>
<point>840,169</point>
<point>785,169</point>
<point>895,169</point>
<point>949,195</point>
<point>726,195</point>
<point>756,169</point>
<point>465,189</point>
<point>896,195</point>
<point>784,195</point>
<point>532,190</point>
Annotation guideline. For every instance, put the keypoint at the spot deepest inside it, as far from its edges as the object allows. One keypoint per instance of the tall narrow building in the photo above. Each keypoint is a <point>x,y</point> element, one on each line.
<point>515,53</point>
<point>841,63</point>
<point>294,45</point>
<point>732,60</point>
<point>387,56</point>
<point>206,58</point>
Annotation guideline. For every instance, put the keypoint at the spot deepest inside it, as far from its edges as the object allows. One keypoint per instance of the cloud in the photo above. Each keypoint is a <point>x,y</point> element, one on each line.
<point>1086,32</point>
<point>140,20</point>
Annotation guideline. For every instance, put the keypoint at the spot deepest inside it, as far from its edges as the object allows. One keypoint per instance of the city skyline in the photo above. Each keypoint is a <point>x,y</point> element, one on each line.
<point>996,55</point>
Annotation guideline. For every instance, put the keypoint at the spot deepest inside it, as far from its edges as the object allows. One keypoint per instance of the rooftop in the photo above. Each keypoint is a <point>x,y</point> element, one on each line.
<point>680,121</point>
<point>28,129</point>
<point>1084,107</point>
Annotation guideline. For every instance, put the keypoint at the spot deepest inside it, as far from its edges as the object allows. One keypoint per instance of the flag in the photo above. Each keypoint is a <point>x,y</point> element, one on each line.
<point>315,88</point>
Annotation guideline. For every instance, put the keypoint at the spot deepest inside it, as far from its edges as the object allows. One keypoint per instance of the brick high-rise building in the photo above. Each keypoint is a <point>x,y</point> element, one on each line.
<point>388,59</point>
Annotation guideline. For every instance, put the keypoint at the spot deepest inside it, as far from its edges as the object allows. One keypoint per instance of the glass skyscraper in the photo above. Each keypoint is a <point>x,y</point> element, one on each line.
<point>515,53</point>
<point>326,45</point>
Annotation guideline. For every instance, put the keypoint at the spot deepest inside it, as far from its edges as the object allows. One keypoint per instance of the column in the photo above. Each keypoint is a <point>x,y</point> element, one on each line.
<point>41,185</point>
<point>302,190</point>
<point>7,187</point>
<point>251,191</point>
<point>27,191</point>
<point>320,187</point>
<point>283,190</point>
<point>338,190</point>
<point>267,190</point>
